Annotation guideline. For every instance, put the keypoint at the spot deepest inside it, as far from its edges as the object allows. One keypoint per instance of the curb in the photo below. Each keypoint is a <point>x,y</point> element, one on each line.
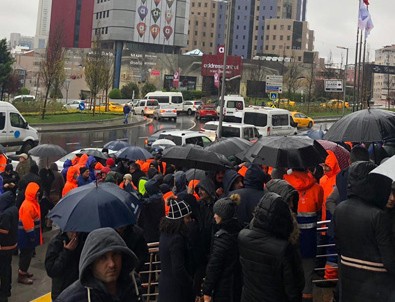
<point>116,123</point>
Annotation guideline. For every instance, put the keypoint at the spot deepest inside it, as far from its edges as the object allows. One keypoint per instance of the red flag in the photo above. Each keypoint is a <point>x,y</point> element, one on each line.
<point>216,80</point>
<point>366,2</point>
<point>176,79</point>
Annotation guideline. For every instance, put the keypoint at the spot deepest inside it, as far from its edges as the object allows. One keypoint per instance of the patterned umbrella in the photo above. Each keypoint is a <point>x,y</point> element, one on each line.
<point>341,153</point>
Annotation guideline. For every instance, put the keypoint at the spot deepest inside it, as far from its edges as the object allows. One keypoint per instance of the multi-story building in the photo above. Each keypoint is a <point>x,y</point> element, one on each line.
<point>16,39</point>
<point>384,84</point>
<point>73,18</point>
<point>248,22</point>
<point>43,23</point>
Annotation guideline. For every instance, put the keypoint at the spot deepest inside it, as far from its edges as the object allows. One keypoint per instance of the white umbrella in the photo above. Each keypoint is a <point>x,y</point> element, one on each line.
<point>387,168</point>
<point>163,143</point>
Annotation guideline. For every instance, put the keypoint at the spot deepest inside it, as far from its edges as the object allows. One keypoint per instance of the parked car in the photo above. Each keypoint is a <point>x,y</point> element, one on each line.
<point>146,107</point>
<point>151,139</point>
<point>75,105</point>
<point>302,119</point>
<point>165,112</point>
<point>190,107</point>
<point>335,104</point>
<point>183,137</point>
<point>206,112</point>
<point>245,131</point>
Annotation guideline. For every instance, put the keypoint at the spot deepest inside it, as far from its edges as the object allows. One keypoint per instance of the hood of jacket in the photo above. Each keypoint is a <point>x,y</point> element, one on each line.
<point>230,177</point>
<point>169,179</point>
<point>67,163</point>
<point>285,190</point>
<point>7,200</point>
<point>98,243</point>
<point>272,215</point>
<point>70,174</point>
<point>373,188</point>
<point>255,177</point>
<point>31,192</point>
<point>332,163</point>
<point>90,162</point>
<point>300,180</point>
<point>208,185</point>
<point>152,187</point>
<point>83,159</point>
<point>180,182</point>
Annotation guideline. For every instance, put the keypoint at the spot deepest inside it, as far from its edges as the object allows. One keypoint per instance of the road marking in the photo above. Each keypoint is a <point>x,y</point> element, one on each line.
<point>194,125</point>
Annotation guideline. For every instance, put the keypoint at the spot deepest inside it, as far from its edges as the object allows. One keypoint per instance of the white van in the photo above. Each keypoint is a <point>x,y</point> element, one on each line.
<point>16,134</point>
<point>175,99</point>
<point>24,97</point>
<point>233,108</point>
<point>145,107</point>
<point>246,131</point>
<point>270,121</point>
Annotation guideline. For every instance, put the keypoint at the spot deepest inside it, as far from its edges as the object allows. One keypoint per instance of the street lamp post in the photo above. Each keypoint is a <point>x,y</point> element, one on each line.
<point>226,45</point>
<point>345,77</point>
<point>67,86</point>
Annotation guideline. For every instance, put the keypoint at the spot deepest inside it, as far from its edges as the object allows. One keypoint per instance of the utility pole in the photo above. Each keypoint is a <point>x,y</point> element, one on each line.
<point>345,77</point>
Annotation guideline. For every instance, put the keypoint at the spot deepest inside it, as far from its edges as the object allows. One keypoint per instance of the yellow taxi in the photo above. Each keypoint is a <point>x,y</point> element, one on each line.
<point>284,103</point>
<point>302,119</point>
<point>112,106</point>
<point>335,104</point>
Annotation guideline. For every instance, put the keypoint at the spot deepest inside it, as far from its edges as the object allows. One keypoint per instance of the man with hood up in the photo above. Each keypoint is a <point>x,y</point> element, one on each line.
<point>364,238</point>
<point>105,271</point>
<point>232,181</point>
<point>8,241</point>
<point>252,192</point>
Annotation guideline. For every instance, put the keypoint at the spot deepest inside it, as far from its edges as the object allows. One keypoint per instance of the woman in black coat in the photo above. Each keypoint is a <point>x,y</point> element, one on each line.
<point>223,273</point>
<point>271,264</point>
<point>175,281</point>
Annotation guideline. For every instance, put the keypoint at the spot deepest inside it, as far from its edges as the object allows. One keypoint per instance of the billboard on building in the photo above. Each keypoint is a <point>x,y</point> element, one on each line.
<point>212,64</point>
<point>155,21</point>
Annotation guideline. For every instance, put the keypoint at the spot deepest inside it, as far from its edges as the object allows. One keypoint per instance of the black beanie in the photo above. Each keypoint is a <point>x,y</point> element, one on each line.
<point>83,169</point>
<point>226,207</point>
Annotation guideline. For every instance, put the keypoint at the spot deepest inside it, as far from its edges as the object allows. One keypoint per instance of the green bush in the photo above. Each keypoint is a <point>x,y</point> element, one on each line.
<point>192,94</point>
<point>23,91</point>
<point>127,91</point>
<point>148,87</point>
<point>37,106</point>
<point>115,94</point>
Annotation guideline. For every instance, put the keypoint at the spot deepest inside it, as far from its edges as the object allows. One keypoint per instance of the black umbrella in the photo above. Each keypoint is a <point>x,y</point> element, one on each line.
<point>133,153</point>
<point>195,157</point>
<point>48,150</point>
<point>92,206</point>
<point>286,152</point>
<point>195,174</point>
<point>116,145</point>
<point>229,146</point>
<point>93,152</point>
<point>368,125</point>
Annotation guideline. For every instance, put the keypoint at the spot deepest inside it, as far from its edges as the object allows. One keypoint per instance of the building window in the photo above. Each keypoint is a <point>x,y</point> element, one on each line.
<point>193,4</point>
<point>267,27</point>
<point>273,47</point>
<point>199,4</point>
<point>274,27</point>
<point>205,4</point>
<point>267,47</point>
<point>299,58</point>
<point>267,37</point>
<point>289,27</point>
<point>274,37</point>
<point>281,27</point>
<point>288,38</point>
<point>281,37</point>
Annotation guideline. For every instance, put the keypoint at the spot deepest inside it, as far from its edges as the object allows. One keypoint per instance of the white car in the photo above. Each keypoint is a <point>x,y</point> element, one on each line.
<point>74,105</point>
<point>183,137</point>
<point>145,107</point>
<point>71,155</point>
<point>165,112</point>
<point>190,107</point>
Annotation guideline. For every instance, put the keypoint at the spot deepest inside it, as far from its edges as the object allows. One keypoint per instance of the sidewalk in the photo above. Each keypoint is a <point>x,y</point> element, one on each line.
<point>96,125</point>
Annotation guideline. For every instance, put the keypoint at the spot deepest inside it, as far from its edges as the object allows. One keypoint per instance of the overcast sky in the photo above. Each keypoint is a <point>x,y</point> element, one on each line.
<point>334,23</point>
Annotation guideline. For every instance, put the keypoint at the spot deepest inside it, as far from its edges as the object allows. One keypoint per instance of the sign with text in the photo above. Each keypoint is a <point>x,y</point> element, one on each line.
<point>212,63</point>
<point>333,85</point>
<point>274,83</point>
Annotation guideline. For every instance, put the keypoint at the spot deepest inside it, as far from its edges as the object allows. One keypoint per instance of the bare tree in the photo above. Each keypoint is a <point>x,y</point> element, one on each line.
<point>52,64</point>
<point>292,77</point>
<point>95,70</point>
<point>108,74</point>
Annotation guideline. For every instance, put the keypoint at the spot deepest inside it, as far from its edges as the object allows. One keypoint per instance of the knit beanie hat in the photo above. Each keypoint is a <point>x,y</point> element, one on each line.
<point>226,207</point>
<point>83,169</point>
<point>178,209</point>
<point>127,176</point>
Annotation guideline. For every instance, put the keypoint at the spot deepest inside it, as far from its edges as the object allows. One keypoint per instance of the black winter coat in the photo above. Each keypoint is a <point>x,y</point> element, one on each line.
<point>25,180</point>
<point>272,268</point>
<point>61,264</point>
<point>152,211</point>
<point>9,217</point>
<point>175,281</point>
<point>363,236</point>
<point>223,272</point>
<point>134,239</point>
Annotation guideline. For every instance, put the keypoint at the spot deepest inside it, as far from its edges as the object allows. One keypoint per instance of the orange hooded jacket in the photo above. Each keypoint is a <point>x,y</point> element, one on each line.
<point>328,181</point>
<point>71,181</point>
<point>30,215</point>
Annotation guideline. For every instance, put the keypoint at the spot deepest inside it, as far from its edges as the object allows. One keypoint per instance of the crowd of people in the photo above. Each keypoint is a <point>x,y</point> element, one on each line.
<point>247,233</point>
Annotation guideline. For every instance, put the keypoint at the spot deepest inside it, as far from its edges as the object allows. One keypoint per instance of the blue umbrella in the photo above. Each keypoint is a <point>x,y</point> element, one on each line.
<point>116,145</point>
<point>92,206</point>
<point>133,153</point>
